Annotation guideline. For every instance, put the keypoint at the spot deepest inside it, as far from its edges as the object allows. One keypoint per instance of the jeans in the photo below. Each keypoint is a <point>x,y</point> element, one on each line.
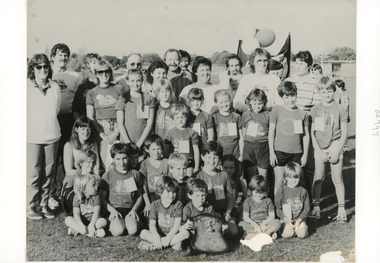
<point>40,171</point>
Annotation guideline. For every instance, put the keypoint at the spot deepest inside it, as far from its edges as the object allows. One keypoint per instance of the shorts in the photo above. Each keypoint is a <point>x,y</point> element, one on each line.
<point>333,146</point>
<point>123,211</point>
<point>256,154</point>
<point>284,158</point>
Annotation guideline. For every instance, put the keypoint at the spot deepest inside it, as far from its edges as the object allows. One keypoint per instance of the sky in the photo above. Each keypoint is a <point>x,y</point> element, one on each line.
<point>120,27</point>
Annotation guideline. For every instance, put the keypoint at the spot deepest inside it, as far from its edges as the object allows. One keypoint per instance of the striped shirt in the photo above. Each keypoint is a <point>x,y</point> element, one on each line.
<point>307,93</point>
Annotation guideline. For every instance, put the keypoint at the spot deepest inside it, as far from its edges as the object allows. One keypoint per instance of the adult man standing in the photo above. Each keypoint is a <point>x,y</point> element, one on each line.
<point>233,67</point>
<point>68,82</point>
<point>134,61</point>
<point>176,76</point>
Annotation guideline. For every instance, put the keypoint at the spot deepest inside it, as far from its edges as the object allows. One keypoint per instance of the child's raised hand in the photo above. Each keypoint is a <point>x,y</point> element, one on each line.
<point>273,159</point>
<point>165,241</point>
<point>303,159</point>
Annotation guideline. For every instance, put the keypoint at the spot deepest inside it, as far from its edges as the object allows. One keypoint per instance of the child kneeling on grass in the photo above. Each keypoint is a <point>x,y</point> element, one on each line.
<point>164,219</point>
<point>292,203</point>
<point>125,190</point>
<point>86,218</point>
<point>258,210</point>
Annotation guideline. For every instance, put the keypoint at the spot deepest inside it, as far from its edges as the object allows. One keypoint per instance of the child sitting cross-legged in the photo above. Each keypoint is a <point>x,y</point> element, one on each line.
<point>258,210</point>
<point>124,187</point>
<point>164,219</point>
<point>292,203</point>
<point>86,218</point>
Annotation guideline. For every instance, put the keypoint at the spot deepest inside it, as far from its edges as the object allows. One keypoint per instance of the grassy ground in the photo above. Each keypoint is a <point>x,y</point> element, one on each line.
<point>47,239</point>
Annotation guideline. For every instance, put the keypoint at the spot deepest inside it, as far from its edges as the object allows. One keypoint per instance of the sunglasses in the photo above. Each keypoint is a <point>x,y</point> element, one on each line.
<point>101,72</point>
<point>40,67</point>
<point>133,64</point>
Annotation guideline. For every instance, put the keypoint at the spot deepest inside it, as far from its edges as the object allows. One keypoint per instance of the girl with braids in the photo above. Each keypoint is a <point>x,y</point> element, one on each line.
<point>135,111</point>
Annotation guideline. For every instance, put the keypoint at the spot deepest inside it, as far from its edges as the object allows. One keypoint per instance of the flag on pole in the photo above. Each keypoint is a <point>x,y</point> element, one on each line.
<point>243,57</point>
<point>282,60</point>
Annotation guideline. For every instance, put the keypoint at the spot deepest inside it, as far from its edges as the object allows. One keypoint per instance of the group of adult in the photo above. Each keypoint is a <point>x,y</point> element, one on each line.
<point>60,122</point>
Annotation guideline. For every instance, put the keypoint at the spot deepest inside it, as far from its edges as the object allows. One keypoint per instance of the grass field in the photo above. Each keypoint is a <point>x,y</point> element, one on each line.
<point>47,239</point>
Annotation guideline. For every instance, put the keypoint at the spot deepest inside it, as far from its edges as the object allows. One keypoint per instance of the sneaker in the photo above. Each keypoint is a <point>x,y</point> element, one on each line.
<point>32,213</point>
<point>274,236</point>
<point>52,203</point>
<point>100,233</point>
<point>46,212</point>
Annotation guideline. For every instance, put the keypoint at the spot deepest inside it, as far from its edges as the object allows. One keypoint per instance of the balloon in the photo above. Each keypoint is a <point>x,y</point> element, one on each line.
<point>266,37</point>
<point>245,30</point>
<point>249,45</point>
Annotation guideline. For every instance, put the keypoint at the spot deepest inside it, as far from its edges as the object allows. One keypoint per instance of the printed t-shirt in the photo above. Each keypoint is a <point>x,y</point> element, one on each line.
<point>227,130</point>
<point>307,93</point>
<point>190,211</point>
<point>152,174</point>
<point>290,128</point>
<point>87,209</point>
<point>256,125</point>
<point>297,198</point>
<point>201,123</point>
<point>135,114</point>
<point>124,189</point>
<point>219,186</point>
<point>258,211</point>
<point>68,82</point>
<point>327,122</point>
<point>183,141</point>
<point>165,216</point>
<point>104,101</point>
<point>164,120</point>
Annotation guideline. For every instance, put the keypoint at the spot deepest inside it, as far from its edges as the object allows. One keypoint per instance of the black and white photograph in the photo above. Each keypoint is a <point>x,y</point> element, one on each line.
<point>194,131</point>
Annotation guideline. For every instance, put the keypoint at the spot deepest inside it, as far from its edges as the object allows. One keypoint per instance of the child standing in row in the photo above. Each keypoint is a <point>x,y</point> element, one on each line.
<point>228,125</point>
<point>219,188</point>
<point>125,189</point>
<point>328,135</point>
<point>258,210</point>
<point>255,129</point>
<point>154,167</point>
<point>135,111</point>
<point>199,120</point>
<point>292,203</point>
<point>86,218</point>
<point>184,139</point>
<point>164,219</point>
<point>288,133</point>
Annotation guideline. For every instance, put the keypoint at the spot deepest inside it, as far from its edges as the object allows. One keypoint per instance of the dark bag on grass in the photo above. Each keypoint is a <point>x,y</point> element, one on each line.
<point>208,236</point>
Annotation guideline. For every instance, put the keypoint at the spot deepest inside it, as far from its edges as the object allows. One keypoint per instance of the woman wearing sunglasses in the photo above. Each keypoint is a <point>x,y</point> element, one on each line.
<point>43,133</point>
<point>100,105</point>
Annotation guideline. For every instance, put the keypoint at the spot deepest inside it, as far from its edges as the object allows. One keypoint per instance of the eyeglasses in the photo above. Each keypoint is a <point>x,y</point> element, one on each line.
<point>39,67</point>
<point>101,72</point>
<point>135,64</point>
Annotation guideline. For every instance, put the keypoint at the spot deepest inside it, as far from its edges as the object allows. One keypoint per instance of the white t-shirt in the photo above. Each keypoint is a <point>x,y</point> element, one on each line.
<point>208,93</point>
<point>268,83</point>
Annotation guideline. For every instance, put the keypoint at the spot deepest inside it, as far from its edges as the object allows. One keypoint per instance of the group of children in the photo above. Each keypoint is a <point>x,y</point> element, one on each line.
<point>227,177</point>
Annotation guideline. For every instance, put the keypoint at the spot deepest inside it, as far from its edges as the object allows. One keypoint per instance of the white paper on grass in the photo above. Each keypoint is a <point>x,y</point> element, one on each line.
<point>257,241</point>
<point>332,257</point>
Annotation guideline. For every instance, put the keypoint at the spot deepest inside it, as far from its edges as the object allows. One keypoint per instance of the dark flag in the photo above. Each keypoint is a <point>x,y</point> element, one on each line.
<point>243,57</point>
<point>281,61</point>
